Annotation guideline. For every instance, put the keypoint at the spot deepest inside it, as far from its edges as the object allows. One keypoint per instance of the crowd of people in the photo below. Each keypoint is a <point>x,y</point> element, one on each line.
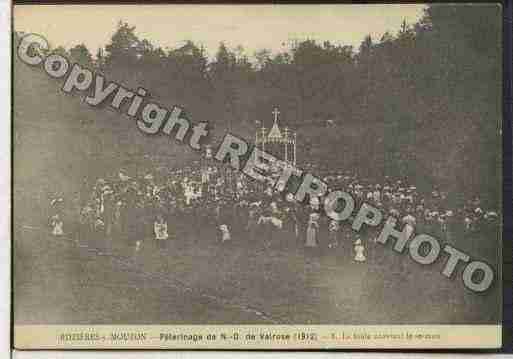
<point>214,204</point>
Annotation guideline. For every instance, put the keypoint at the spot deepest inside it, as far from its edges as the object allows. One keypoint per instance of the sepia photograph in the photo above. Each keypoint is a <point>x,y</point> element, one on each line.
<point>257,176</point>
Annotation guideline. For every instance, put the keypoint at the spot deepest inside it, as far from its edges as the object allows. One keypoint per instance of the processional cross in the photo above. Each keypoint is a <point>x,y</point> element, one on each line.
<point>276,113</point>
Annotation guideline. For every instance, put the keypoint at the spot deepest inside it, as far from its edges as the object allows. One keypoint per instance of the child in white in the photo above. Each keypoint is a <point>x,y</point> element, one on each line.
<point>333,234</point>
<point>160,228</point>
<point>56,223</point>
<point>225,233</point>
<point>359,250</point>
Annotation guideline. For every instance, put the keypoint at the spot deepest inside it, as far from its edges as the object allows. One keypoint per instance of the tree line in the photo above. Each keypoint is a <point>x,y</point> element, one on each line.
<point>423,103</point>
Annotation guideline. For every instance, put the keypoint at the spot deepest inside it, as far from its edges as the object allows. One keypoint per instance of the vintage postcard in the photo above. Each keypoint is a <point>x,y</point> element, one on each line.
<point>257,176</point>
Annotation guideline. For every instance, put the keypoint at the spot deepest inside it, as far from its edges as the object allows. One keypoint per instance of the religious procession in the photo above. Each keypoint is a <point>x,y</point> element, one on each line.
<point>209,202</point>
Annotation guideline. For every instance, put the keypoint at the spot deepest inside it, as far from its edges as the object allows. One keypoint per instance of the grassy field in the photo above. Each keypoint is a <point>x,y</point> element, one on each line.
<point>192,281</point>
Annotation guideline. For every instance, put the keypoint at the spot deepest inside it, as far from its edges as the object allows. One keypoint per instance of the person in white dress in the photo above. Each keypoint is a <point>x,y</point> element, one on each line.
<point>225,233</point>
<point>333,229</point>
<point>57,225</point>
<point>409,222</point>
<point>359,250</point>
<point>160,228</point>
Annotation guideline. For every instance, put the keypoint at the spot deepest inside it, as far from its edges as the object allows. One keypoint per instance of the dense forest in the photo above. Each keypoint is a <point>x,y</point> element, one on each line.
<point>423,103</point>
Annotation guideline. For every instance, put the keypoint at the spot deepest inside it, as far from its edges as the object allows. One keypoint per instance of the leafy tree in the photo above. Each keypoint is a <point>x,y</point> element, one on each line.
<point>81,55</point>
<point>124,47</point>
